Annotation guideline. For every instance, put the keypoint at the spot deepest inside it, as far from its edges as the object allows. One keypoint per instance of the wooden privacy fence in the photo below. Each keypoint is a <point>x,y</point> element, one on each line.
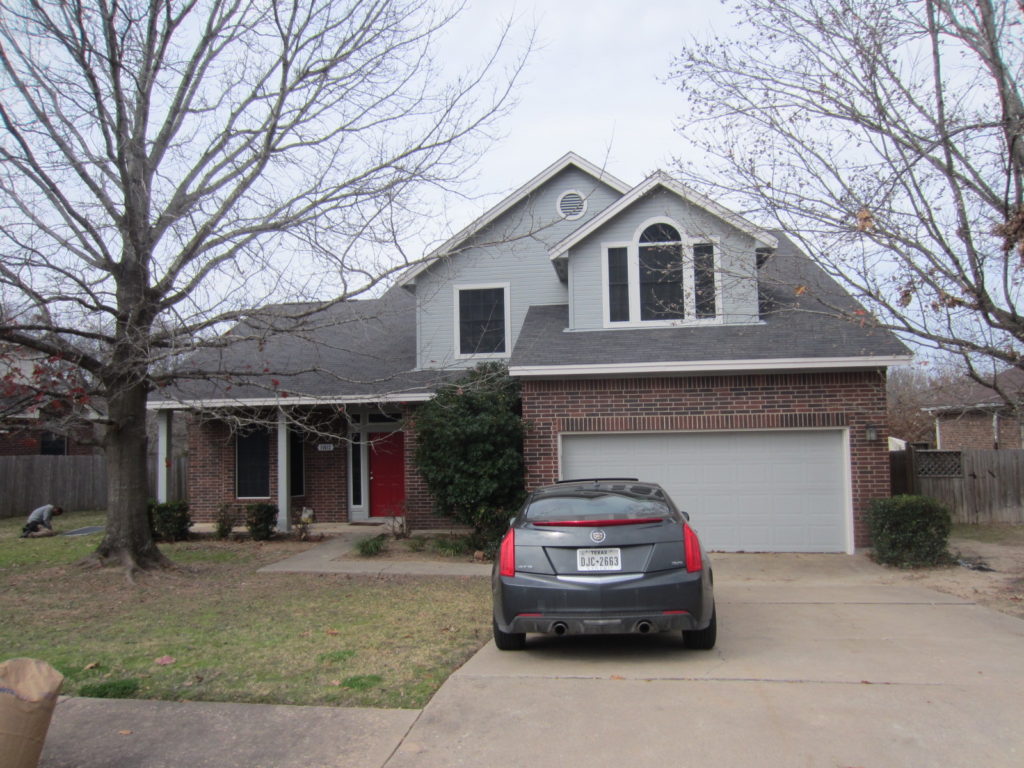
<point>977,486</point>
<point>74,482</point>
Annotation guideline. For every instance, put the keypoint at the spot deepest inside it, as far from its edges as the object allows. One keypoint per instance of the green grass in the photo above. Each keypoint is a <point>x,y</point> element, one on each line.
<point>996,533</point>
<point>234,634</point>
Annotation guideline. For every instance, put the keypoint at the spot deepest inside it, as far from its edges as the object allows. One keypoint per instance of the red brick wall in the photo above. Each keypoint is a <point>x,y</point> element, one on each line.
<point>762,402</point>
<point>975,431</point>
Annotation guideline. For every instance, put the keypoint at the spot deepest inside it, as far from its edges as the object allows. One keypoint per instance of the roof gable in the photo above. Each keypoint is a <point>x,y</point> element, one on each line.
<point>567,160</point>
<point>652,182</point>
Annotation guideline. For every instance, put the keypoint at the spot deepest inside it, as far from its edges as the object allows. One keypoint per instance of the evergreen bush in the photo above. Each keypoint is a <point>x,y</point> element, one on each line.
<point>261,520</point>
<point>470,450</point>
<point>225,521</point>
<point>910,531</point>
<point>169,521</point>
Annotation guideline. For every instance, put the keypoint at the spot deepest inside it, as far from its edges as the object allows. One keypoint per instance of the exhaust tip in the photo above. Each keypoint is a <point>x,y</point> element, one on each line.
<point>643,627</point>
<point>559,628</point>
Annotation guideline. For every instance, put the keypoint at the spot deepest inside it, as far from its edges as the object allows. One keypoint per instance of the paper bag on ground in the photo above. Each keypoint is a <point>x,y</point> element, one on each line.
<point>28,694</point>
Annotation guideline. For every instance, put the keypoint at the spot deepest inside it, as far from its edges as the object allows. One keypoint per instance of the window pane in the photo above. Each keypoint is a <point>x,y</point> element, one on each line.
<point>481,321</point>
<point>252,463</point>
<point>661,282</point>
<point>704,280</point>
<point>355,452</point>
<point>296,470</point>
<point>618,285</point>
<point>660,233</point>
<point>52,444</point>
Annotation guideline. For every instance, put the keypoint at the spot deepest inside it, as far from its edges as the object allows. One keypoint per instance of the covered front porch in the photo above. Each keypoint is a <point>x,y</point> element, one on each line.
<point>347,462</point>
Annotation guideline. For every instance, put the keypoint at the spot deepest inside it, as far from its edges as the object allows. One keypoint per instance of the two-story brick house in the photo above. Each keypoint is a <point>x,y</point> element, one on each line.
<point>655,334</point>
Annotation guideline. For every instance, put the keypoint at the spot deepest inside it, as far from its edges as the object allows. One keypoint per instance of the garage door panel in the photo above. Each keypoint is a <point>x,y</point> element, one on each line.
<point>752,491</point>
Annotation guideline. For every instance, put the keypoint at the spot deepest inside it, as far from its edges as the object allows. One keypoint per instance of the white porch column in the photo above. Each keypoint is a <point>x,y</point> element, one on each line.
<point>284,459</point>
<point>163,455</point>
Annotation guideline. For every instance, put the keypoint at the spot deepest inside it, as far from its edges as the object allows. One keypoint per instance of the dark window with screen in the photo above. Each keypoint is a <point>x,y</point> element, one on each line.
<point>355,452</point>
<point>704,280</point>
<point>52,444</point>
<point>661,273</point>
<point>252,463</point>
<point>296,469</point>
<point>481,321</point>
<point>618,285</point>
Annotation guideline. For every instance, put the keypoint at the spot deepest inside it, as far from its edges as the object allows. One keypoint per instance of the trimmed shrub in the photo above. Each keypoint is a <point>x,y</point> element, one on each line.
<point>910,531</point>
<point>225,521</point>
<point>261,520</point>
<point>170,521</point>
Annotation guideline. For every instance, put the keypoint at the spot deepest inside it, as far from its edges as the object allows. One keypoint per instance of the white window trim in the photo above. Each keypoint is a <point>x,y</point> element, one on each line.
<point>456,336</point>
<point>633,269</point>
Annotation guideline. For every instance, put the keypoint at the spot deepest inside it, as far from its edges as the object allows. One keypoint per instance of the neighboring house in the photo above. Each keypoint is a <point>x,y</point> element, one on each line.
<point>31,422</point>
<point>972,416</point>
<point>655,335</point>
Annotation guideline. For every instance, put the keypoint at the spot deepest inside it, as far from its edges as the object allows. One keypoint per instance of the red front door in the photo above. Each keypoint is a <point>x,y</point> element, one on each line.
<point>387,474</point>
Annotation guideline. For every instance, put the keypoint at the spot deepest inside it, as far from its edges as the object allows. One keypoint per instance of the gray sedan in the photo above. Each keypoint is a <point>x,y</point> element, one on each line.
<point>609,555</point>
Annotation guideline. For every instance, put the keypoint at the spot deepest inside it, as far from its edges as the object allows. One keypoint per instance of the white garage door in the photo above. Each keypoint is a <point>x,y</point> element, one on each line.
<point>745,491</point>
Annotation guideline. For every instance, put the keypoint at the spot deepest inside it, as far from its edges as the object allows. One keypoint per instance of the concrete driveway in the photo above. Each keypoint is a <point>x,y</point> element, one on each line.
<point>819,663</point>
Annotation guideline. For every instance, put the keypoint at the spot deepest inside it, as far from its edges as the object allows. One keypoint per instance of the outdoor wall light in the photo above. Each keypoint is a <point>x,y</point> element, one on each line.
<point>871,433</point>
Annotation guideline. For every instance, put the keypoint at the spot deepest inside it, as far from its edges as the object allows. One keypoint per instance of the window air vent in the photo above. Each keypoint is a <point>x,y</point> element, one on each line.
<point>571,205</point>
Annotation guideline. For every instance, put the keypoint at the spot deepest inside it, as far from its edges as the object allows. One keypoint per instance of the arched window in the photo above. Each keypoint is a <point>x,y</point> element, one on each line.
<point>661,276</point>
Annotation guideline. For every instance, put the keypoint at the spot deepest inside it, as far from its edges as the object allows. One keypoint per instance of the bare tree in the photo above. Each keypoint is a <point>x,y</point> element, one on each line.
<point>887,136</point>
<point>166,165</point>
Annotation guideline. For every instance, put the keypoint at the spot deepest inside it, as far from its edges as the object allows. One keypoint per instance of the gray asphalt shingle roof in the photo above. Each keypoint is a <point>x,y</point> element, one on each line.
<point>349,350</point>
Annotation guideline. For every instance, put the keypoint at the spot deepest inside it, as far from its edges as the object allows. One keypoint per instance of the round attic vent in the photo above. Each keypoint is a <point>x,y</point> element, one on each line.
<point>571,205</point>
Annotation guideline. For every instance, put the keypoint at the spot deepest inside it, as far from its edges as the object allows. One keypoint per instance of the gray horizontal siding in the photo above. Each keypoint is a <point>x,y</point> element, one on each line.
<point>513,249</point>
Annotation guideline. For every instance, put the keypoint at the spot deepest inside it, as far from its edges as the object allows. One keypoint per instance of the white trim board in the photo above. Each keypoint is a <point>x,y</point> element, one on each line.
<point>703,366</point>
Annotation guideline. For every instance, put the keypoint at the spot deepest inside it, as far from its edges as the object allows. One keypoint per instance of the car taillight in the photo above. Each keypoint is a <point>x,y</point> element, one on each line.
<point>692,546</point>
<point>507,554</point>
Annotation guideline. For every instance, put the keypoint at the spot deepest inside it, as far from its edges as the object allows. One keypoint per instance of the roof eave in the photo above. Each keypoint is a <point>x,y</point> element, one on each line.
<point>709,366</point>
<point>214,403</point>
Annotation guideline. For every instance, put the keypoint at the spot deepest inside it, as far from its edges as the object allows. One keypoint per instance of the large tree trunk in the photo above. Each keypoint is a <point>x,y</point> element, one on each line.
<point>128,538</point>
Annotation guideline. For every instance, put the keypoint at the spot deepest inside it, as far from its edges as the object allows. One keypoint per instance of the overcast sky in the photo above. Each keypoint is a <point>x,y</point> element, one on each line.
<point>594,85</point>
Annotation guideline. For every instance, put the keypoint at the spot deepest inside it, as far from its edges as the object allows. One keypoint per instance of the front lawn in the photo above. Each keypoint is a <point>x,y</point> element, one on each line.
<point>219,631</point>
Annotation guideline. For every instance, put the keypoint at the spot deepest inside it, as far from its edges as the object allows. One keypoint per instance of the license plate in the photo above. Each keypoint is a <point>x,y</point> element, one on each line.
<point>598,559</point>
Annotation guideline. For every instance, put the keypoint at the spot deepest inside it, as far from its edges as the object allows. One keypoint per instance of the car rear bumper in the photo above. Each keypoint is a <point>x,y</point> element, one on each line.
<point>640,623</point>
<point>658,602</point>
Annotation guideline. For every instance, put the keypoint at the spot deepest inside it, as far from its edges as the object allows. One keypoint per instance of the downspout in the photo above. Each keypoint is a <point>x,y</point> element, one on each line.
<point>938,434</point>
<point>995,429</point>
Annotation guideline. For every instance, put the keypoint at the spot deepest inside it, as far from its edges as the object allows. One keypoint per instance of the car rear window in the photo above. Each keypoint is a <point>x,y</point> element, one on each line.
<point>600,506</point>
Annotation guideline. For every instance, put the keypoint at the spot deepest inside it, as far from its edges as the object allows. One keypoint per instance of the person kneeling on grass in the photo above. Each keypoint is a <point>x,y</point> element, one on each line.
<point>39,522</point>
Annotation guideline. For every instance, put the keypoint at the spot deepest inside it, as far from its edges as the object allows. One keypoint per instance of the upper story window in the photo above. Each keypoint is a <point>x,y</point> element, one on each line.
<point>661,273</point>
<point>660,278</point>
<point>482,320</point>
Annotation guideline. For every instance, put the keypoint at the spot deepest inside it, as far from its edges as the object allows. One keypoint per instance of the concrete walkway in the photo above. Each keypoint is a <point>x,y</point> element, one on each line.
<point>338,555</point>
<point>819,663</point>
